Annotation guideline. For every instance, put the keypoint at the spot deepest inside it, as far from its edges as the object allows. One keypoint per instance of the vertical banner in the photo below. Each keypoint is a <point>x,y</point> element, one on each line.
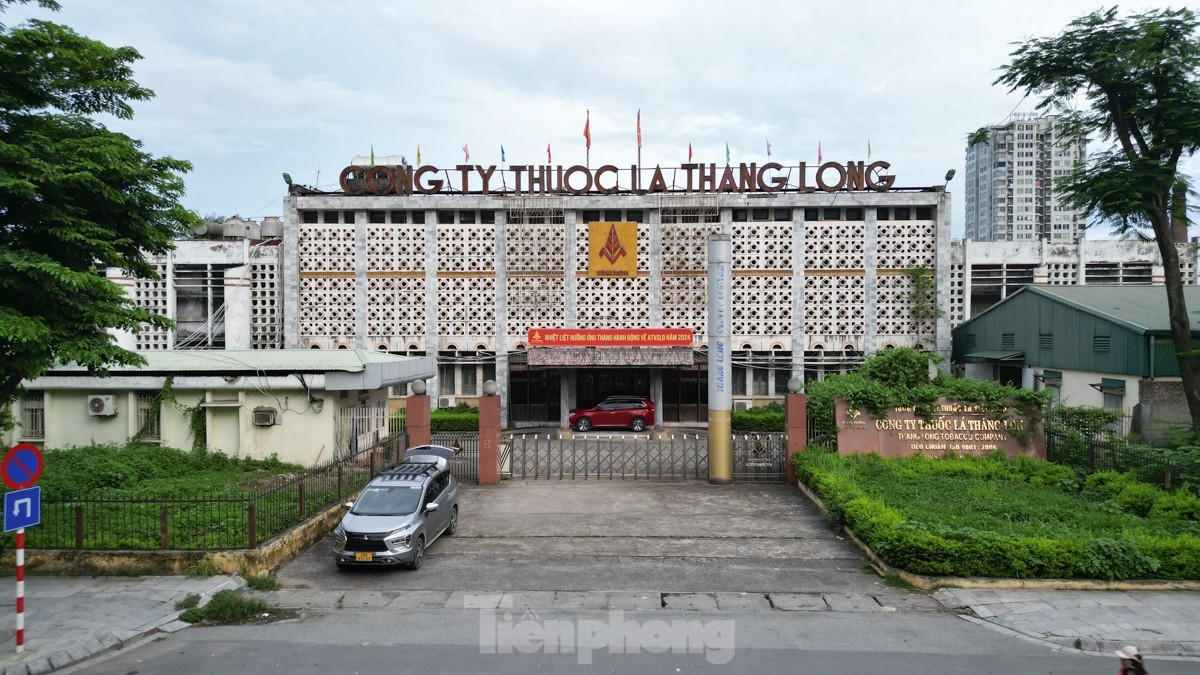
<point>720,369</point>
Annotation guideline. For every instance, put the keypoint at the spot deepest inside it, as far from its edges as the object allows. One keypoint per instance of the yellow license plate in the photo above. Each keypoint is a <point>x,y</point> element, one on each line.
<point>363,557</point>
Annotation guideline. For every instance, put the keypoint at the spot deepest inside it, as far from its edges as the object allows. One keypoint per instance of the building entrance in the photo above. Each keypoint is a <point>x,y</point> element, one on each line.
<point>594,385</point>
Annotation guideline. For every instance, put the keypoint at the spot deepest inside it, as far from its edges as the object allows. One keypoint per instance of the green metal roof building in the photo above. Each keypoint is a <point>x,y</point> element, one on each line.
<point>1107,346</point>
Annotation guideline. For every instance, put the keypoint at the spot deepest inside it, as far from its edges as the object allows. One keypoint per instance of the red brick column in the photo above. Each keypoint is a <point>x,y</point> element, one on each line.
<point>797,430</point>
<point>416,415</point>
<point>489,440</point>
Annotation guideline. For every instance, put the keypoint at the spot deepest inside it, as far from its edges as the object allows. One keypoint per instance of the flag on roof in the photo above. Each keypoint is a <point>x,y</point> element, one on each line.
<point>639,129</point>
<point>466,153</point>
<point>587,129</point>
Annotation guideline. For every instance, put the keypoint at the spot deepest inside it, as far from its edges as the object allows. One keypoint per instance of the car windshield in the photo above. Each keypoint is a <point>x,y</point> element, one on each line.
<point>387,501</point>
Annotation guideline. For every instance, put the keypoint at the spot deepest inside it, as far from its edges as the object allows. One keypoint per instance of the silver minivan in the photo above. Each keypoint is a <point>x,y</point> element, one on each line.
<point>399,514</point>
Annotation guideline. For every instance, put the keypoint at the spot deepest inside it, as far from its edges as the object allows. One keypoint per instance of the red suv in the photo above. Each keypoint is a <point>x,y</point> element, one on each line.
<point>631,412</point>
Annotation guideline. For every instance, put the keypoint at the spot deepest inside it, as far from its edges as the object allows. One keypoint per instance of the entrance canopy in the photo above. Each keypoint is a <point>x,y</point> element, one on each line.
<point>582,357</point>
<point>1001,357</point>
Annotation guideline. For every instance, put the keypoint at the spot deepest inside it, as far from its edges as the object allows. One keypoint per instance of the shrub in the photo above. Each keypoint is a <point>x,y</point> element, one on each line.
<point>768,418</point>
<point>461,417</point>
<point>1138,498</point>
<point>1179,504</point>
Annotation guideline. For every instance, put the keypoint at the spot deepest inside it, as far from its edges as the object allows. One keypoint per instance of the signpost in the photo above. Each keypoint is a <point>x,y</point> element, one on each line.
<point>20,469</point>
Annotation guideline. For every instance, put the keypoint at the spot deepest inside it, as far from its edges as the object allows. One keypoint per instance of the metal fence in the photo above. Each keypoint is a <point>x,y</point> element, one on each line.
<point>208,520</point>
<point>1106,449</point>
<point>465,464</point>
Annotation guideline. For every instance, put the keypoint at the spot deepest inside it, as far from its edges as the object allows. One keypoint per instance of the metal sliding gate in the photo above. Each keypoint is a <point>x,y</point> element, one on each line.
<point>676,457</point>
<point>760,458</point>
<point>757,458</point>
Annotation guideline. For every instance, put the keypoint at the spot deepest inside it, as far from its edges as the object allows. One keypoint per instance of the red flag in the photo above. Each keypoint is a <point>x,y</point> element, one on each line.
<point>548,160</point>
<point>639,129</point>
<point>466,152</point>
<point>587,130</point>
<point>689,152</point>
<point>819,160</point>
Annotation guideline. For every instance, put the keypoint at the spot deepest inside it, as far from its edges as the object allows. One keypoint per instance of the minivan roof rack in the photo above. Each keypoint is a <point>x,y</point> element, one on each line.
<point>409,468</point>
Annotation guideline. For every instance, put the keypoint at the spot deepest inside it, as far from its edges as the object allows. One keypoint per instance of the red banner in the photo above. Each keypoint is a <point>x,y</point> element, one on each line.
<point>607,337</point>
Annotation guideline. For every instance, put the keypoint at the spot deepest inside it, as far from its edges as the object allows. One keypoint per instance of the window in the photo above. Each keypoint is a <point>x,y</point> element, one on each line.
<point>376,217</point>
<point>308,216</point>
<point>470,376</point>
<point>33,415</point>
<point>446,380</point>
<point>761,378</point>
<point>739,381</point>
<point>149,416</point>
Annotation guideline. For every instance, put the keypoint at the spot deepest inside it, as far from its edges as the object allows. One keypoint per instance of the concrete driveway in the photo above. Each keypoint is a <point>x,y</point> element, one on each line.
<point>636,536</point>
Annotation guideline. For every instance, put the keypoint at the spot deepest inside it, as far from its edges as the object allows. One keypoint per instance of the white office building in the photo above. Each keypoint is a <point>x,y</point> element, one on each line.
<point>1011,178</point>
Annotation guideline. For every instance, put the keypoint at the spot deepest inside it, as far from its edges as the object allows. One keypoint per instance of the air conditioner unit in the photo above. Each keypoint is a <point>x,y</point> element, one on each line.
<point>102,405</point>
<point>743,405</point>
<point>265,417</point>
<point>446,402</point>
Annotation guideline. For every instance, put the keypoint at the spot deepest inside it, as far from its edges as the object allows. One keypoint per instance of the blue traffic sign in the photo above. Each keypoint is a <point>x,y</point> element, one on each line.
<point>22,508</point>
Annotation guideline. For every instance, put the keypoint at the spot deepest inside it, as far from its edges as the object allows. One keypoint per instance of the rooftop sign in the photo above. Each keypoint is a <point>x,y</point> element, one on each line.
<point>580,180</point>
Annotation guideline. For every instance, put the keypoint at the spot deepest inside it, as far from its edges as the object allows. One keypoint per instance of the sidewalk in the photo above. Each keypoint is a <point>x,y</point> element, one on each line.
<point>71,619</point>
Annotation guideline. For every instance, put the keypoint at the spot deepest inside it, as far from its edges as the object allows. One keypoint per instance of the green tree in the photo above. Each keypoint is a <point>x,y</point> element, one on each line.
<point>75,198</point>
<point>1137,82</point>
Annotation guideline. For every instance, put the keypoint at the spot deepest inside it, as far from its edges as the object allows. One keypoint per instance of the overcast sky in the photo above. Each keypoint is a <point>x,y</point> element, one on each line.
<point>248,89</point>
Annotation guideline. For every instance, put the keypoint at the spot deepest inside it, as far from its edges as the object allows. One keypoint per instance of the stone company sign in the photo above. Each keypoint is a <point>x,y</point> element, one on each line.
<point>959,428</point>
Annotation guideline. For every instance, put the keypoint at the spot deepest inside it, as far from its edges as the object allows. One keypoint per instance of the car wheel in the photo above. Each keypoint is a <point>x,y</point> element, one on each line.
<point>342,567</point>
<point>638,424</point>
<point>418,554</point>
<point>453,526</point>
<point>584,424</point>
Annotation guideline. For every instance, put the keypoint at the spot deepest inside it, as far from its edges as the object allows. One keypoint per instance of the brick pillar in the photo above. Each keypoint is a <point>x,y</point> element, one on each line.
<point>489,440</point>
<point>416,415</point>
<point>797,430</point>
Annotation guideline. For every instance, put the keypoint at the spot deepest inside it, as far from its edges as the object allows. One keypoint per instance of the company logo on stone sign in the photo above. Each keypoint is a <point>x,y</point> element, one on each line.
<point>610,337</point>
<point>612,250</point>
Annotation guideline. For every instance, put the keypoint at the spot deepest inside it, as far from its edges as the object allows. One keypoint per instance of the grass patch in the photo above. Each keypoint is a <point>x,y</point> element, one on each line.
<point>204,567</point>
<point>188,602</point>
<point>262,582</point>
<point>227,607</point>
<point>895,581</point>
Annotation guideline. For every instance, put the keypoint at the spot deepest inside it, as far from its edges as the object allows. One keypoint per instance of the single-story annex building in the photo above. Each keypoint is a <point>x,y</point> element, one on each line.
<point>305,406</point>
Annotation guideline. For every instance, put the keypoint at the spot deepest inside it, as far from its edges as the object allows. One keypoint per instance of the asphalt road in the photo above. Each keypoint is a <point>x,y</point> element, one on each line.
<point>451,641</point>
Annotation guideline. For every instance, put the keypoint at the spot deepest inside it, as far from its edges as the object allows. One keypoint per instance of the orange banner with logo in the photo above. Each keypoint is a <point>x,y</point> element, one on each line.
<point>610,337</point>
<point>612,250</point>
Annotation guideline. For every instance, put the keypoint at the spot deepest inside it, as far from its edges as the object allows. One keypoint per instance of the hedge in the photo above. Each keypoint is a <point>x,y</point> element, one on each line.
<point>770,417</point>
<point>461,417</point>
<point>1165,545</point>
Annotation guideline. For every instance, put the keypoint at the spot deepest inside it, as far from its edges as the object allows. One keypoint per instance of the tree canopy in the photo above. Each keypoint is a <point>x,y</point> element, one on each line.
<point>1134,81</point>
<point>75,198</point>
